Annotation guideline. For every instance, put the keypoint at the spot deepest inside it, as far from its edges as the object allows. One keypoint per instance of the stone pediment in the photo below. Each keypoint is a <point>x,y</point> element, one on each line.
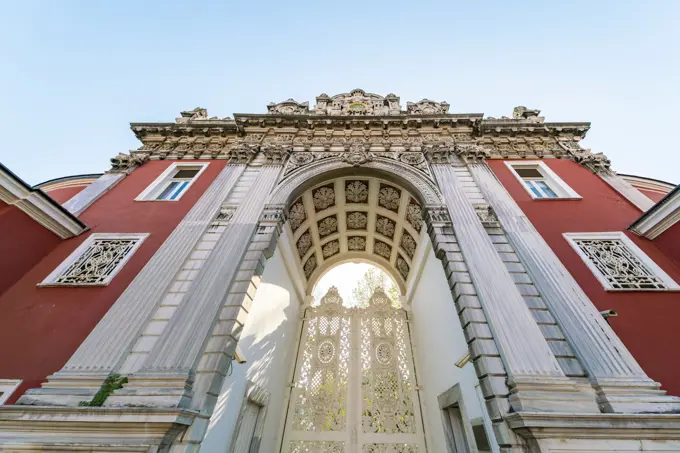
<point>357,102</point>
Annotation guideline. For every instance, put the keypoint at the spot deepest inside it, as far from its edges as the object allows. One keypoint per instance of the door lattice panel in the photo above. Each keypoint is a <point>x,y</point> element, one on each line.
<point>355,389</point>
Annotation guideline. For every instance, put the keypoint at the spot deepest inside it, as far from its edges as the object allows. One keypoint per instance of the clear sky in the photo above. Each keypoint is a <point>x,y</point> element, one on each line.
<point>73,74</point>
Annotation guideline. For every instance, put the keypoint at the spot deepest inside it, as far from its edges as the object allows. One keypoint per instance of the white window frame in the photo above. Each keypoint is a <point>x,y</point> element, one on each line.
<point>51,280</point>
<point>561,188</point>
<point>7,388</point>
<point>659,273</point>
<point>158,185</point>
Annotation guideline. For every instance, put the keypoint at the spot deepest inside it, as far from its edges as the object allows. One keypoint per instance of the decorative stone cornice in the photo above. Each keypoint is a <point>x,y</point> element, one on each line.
<point>472,153</point>
<point>125,163</point>
<point>276,153</point>
<point>241,153</point>
<point>595,162</point>
<point>437,153</point>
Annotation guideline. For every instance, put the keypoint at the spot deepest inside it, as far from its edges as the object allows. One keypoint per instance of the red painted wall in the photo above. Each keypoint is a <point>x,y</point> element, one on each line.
<point>647,321</point>
<point>40,328</point>
<point>23,243</point>
<point>652,195</point>
<point>61,196</point>
<point>669,242</point>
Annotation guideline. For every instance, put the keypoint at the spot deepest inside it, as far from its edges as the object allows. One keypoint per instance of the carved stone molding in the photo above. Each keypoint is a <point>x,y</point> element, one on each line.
<point>276,153</point>
<point>427,107</point>
<point>472,153</point>
<point>438,153</point>
<point>487,216</point>
<point>595,162</point>
<point>437,215</point>
<point>125,163</point>
<point>241,153</point>
<point>288,107</point>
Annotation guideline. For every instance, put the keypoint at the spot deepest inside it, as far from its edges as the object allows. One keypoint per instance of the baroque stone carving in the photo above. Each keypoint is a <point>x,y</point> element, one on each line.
<point>125,163</point>
<point>438,215</point>
<point>276,153</point>
<point>356,244</point>
<point>241,153</point>
<point>288,107</point>
<point>403,267</point>
<point>388,197</point>
<point>357,220</point>
<point>384,226</point>
<point>522,113</point>
<point>414,215</point>
<point>356,155</point>
<point>472,153</point>
<point>310,266</point>
<point>382,249</point>
<point>323,197</point>
<point>357,102</point>
<point>427,107</point>
<point>328,226</point>
<point>408,244</point>
<point>196,114</point>
<point>487,216</point>
<point>330,248</point>
<point>356,192</point>
<point>304,243</point>
<point>297,215</point>
<point>595,162</point>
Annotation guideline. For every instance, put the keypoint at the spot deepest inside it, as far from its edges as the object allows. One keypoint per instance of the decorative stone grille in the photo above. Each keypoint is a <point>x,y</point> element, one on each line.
<point>618,265</point>
<point>97,264</point>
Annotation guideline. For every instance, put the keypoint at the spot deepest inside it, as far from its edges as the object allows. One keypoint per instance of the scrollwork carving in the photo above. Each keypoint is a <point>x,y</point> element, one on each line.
<point>427,107</point>
<point>125,163</point>
<point>288,107</point>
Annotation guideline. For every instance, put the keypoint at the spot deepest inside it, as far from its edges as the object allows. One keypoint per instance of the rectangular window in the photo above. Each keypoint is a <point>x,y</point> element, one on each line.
<point>618,263</point>
<point>7,388</point>
<point>250,422</point>
<point>96,261</point>
<point>540,181</point>
<point>173,183</point>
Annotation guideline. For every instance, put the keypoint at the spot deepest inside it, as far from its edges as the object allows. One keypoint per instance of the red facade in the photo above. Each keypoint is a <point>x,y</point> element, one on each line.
<point>646,320</point>
<point>44,325</point>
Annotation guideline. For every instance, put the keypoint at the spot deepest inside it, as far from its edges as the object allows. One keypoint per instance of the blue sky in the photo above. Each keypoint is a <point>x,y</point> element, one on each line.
<point>73,74</point>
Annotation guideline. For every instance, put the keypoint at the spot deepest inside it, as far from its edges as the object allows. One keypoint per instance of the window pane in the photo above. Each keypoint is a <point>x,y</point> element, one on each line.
<point>185,173</point>
<point>180,188</point>
<point>534,189</point>
<point>529,172</point>
<point>545,188</point>
<point>167,191</point>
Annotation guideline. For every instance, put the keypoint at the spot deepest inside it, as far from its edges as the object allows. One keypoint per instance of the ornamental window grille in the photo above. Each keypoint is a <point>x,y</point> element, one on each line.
<point>618,263</point>
<point>173,183</point>
<point>354,388</point>
<point>96,261</point>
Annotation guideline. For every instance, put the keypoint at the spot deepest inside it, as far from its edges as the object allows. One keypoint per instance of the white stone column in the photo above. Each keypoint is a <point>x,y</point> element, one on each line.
<point>621,384</point>
<point>166,376</point>
<point>109,342</point>
<point>534,376</point>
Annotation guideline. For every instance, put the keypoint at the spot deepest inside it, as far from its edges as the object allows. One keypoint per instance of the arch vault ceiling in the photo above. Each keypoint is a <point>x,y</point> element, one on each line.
<point>355,218</point>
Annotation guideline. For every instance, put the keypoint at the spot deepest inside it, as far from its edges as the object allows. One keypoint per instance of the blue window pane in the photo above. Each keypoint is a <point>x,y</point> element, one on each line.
<point>168,191</point>
<point>180,189</point>
<point>533,189</point>
<point>546,189</point>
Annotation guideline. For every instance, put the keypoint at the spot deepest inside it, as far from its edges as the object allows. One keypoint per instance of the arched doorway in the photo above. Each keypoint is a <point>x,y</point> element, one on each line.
<point>354,388</point>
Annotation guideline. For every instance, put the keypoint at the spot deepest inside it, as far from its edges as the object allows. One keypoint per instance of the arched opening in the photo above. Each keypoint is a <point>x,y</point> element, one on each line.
<point>355,386</point>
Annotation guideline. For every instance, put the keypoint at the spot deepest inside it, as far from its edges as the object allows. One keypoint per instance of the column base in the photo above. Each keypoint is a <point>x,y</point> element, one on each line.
<point>64,389</point>
<point>168,389</point>
<point>635,396</point>
<point>578,432</point>
<point>552,394</point>
<point>89,429</point>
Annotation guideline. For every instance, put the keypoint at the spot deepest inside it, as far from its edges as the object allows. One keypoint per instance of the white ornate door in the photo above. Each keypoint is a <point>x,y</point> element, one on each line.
<point>354,388</point>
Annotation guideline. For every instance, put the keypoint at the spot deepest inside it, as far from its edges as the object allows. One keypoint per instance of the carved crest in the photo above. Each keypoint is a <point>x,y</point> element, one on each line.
<point>357,102</point>
<point>427,107</point>
<point>288,107</point>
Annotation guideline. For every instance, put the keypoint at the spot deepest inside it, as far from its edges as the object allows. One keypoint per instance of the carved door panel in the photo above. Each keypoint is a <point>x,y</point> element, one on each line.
<point>354,388</point>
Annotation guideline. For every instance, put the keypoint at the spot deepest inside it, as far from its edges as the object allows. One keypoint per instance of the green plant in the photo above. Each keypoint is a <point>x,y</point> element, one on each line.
<point>111,383</point>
